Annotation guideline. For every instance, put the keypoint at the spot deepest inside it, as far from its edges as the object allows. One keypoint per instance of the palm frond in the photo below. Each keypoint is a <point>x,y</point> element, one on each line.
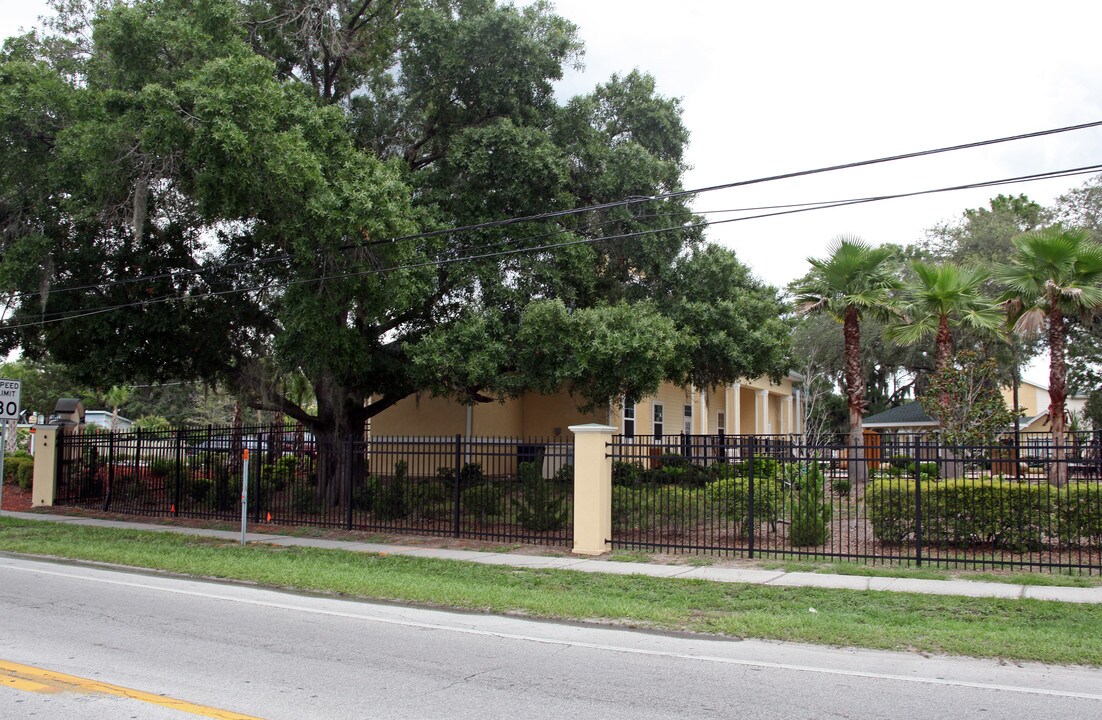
<point>1031,323</point>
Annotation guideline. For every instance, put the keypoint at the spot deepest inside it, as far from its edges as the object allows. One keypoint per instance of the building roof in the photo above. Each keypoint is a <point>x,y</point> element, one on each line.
<point>907,415</point>
<point>103,417</point>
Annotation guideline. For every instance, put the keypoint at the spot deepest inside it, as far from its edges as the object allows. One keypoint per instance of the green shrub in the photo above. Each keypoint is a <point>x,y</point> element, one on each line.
<point>723,471</point>
<point>305,499</point>
<point>811,511</point>
<point>470,474</point>
<point>152,422</point>
<point>278,475</point>
<point>19,469</point>
<point>731,496</point>
<point>200,489</point>
<point>841,485</point>
<point>763,468</point>
<point>363,495</point>
<point>426,498</point>
<point>906,470</point>
<point>1078,514</point>
<point>666,507</point>
<point>162,467</point>
<point>483,501</point>
<point>889,502</point>
<point>540,506</point>
<point>564,475</point>
<point>390,498</point>
<point>901,462</point>
<point>673,460</point>
<point>686,475</point>
<point>676,506</point>
<point>227,491</point>
<point>626,473</point>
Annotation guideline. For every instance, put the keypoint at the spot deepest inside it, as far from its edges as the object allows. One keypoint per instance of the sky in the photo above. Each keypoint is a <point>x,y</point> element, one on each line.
<point>776,87</point>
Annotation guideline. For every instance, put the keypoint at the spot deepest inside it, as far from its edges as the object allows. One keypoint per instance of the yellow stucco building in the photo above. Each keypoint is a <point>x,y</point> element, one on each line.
<point>757,407</point>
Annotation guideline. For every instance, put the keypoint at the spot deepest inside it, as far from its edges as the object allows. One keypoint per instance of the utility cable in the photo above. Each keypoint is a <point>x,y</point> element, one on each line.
<point>63,316</point>
<point>615,204</point>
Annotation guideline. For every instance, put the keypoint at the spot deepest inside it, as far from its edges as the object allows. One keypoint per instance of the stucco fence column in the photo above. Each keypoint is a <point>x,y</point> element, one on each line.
<point>44,486</point>
<point>592,488</point>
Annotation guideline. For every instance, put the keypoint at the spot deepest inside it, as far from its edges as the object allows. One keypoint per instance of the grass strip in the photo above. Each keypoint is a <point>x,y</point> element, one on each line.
<point>1012,629</point>
<point>1038,579</point>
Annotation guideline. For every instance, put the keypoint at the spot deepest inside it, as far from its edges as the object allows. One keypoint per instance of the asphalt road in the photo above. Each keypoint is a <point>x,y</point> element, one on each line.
<point>276,655</point>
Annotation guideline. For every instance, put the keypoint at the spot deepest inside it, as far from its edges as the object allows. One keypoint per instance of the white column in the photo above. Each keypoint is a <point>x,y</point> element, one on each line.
<point>735,423</point>
<point>790,416</point>
<point>704,397</point>
<point>799,413</point>
<point>761,413</point>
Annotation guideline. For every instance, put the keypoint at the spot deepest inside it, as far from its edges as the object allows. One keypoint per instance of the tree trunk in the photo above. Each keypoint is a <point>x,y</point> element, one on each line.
<point>943,344</point>
<point>951,465</point>
<point>340,423</point>
<point>855,396</point>
<point>1057,393</point>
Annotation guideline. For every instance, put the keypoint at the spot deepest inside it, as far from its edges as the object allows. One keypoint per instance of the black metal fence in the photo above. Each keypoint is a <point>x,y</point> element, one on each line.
<point>503,489</point>
<point>898,499</point>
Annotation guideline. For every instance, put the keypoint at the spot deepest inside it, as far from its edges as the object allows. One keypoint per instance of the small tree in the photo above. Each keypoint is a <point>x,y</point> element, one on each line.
<point>1092,411</point>
<point>964,398</point>
<point>115,398</point>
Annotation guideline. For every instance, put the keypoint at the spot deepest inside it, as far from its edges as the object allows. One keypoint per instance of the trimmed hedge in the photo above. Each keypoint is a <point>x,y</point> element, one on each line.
<point>19,469</point>
<point>1003,513</point>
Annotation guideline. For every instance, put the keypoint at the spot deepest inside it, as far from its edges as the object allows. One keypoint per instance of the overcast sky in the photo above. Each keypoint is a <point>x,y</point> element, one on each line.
<point>776,87</point>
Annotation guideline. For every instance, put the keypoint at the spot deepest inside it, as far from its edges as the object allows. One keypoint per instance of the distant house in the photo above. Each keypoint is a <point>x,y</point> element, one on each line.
<point>1033,400</point>
<point>102,418</point>
<point>906,418</point>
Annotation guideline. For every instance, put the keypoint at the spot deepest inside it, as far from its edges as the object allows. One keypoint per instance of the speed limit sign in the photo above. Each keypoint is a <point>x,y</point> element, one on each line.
<point>10,390</point>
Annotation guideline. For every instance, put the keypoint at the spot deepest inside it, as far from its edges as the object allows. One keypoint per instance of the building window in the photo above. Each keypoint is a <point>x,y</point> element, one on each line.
<point>688,419</point>
<point>629,420</point>
<point>659,421</point>
<point>721,423</point>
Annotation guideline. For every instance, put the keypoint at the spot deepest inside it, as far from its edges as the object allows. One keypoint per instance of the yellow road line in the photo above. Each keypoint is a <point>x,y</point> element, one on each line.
<point>26,677</point>
<point>28,685</point>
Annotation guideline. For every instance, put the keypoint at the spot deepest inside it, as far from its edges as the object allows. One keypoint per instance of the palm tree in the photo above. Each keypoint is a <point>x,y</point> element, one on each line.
<point>854,280</point>
<point>1054,274</point>
<point>116,396</point>
<point>940,298</point>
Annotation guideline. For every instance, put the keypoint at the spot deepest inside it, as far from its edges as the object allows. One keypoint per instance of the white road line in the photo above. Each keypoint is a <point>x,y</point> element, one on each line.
<point>569,643</point>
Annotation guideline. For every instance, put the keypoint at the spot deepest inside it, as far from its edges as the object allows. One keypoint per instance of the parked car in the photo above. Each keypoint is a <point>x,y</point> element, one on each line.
<point>227,444</point>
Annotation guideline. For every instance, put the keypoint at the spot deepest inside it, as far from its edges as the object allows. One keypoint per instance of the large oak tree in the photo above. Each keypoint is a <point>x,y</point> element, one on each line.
<point>377,195</point>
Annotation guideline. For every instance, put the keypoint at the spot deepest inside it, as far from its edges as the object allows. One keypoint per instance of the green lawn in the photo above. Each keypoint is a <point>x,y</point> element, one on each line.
<point>1011,629</point>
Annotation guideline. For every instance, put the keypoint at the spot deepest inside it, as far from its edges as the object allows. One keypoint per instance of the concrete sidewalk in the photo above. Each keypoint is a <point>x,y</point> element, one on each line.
<point>966,588</point>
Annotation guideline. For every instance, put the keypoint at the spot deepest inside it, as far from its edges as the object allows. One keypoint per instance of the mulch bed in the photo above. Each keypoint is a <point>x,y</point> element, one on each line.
<point>16,499</point>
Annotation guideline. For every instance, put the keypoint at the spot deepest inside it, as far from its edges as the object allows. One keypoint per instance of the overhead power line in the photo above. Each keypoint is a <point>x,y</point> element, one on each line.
<point>744,183</point>
<point>605,206</point>
<point>792,209</point>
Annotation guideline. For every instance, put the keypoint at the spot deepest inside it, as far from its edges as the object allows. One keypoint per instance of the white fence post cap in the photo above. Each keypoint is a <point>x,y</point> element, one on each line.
<point>592,428</point>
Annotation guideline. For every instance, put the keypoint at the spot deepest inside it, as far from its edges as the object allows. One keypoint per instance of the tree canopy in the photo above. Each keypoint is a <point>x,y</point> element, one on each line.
<point>381,197</point>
